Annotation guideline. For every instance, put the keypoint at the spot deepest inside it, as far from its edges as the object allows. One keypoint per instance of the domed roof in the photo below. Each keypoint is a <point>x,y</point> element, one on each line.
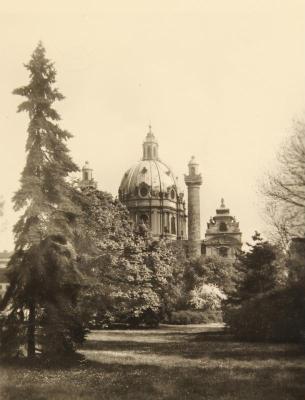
<point>150,172</point>
<point>153,173</point>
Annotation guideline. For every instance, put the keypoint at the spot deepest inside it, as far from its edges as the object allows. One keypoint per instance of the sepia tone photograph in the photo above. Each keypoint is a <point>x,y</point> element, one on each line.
<point>152,201</point>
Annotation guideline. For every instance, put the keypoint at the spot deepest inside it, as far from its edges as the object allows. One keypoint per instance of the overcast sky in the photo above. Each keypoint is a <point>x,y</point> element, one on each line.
<point>221,80</point>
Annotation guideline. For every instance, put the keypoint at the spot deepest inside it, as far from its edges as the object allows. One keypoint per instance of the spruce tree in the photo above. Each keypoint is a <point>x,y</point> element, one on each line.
<point>44,192</point>
<point>38,294</point>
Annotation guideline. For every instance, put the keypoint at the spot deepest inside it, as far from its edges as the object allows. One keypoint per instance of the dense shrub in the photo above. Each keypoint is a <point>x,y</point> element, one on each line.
<point>186,317</point>
<point>131,278</point>
<point>273,316</point>
<point>211,271</point>
<point>206,297</point>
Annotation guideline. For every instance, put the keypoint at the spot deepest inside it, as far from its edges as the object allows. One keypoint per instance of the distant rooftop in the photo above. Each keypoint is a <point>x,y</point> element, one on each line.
<point>5,254</point>
<point>4,258</point>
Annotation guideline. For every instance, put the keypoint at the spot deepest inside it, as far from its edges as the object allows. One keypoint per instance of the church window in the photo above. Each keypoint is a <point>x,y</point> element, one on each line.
<point>193,171</point>
<point>144,190</point>
<point>173,225</point>
<point>155,155</point>
<point>149,152</point>
<point>173,194</point>
<point>223,251</point>
<point>223,227</point>
<point>86,176</point>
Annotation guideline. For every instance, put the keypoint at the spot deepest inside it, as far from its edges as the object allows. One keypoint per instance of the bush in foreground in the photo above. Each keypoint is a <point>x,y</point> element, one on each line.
<point>275,316</point>
<point>186,317</point>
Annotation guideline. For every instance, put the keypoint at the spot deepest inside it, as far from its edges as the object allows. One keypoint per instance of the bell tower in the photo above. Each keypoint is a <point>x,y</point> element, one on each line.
<point>193,182</point>
<point>87,177</point>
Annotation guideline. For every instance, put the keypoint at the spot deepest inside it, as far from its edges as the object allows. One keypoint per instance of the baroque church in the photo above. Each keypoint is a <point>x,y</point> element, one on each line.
<point>150,191</point>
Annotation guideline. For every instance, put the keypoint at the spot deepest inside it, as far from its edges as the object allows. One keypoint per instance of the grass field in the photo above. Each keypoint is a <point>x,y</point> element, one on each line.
<point>193,362</point>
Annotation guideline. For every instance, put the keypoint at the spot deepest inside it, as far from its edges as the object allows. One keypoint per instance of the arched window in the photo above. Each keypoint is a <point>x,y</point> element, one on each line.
<point>223,251</point>
<point>173,225</point>
<point>149,152</point>
<point>193,171</point>
<point>86,176</point>
<point>223,227</point>
<point>155,153</point>
<point>144,219</point>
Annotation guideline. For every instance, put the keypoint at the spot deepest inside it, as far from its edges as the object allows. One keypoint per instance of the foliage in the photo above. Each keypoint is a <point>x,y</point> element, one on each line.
<point>270,301</point>
<point>44,280</point>
<point>259,270</point>
<point>44,193</point>
<point>206,297</point>
<point>46,277</point>
<point>296,262</point>
<point>12,335</point>
<point>187,317</point>
<point>207,283</point>
<point>278,315</point>
<point>131,277</point>
<point>212,271</point>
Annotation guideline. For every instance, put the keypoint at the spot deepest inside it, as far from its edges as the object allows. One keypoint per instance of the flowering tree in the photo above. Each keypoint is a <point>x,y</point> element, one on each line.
<point>130,277</point>
<point>206,296</point>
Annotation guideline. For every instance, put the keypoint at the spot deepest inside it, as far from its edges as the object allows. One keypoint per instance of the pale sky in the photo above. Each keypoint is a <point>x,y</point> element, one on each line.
<point>221,80</point>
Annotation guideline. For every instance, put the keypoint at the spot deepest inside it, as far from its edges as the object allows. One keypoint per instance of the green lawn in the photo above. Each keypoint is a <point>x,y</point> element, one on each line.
<point>195,362</point>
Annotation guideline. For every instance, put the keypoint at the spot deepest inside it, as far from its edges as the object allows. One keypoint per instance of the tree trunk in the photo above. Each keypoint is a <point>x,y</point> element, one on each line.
<point>31,330</point>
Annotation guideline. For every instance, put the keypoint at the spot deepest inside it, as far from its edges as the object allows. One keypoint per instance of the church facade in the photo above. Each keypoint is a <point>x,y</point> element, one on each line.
<point>223,236</point>
<point>150,191</point>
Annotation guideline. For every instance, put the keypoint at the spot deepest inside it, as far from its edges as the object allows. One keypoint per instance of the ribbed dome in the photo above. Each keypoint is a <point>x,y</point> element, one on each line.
<point>150,193</point>
<point>153,174</point>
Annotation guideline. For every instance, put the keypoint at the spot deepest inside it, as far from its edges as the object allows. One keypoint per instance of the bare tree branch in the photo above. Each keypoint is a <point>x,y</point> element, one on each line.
<point>285,190</point>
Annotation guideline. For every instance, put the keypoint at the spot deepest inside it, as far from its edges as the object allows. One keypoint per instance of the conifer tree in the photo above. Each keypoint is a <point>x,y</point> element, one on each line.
<point>37,294</point>
<point>44,192</point>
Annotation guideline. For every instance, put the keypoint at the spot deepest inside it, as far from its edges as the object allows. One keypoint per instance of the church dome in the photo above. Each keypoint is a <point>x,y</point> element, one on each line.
<point>148,178</point>
<point>150,192</point>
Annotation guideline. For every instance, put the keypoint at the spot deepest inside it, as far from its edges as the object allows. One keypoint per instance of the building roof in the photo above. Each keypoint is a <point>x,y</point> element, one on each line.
<point>4,255</point>
<point>4,259</point>
<point>150,171</point>
<point>154,173</point>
